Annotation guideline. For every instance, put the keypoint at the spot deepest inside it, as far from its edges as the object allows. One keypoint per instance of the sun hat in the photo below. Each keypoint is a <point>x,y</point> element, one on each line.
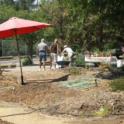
<point>42,40</point>
<point>65,46</point>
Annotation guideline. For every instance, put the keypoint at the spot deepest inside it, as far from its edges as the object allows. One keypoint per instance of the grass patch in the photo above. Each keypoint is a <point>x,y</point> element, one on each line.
<point>117,84</point>
<point>102,112</point>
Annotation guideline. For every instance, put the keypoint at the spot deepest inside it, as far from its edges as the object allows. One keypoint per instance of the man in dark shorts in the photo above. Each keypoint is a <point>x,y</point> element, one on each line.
<point>42,49</point>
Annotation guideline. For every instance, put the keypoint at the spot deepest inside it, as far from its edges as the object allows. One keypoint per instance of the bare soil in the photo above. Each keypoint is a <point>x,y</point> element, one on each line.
<point>43,91</point>
<point>4,122</point>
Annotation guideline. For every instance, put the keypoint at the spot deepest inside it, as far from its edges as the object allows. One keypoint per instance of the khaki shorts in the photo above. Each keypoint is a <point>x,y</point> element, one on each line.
<point>53,57</point>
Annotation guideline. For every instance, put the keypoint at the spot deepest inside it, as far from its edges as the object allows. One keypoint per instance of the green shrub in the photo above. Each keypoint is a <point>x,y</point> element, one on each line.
<point>79,61</point>
<point>102,112</point>
<point>96,50</point>
<point>26,61</point>
<point>117,84</point>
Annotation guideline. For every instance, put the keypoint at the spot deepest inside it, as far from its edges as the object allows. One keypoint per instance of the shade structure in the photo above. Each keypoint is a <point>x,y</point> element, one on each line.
<point>17,26</point>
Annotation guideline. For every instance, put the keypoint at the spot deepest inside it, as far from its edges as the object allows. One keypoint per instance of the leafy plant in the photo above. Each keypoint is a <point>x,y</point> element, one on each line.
<point>102,112</point>
<point>79,61</point>
<point>96,50</point>
<point>26,61</point>
<point>117,84</point>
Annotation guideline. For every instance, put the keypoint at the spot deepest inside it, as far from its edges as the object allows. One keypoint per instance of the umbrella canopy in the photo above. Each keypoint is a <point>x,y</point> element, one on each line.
<point>17,26</point>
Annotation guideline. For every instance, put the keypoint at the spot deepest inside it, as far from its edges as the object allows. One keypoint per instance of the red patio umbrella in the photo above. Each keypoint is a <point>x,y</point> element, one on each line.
<point>17,26</point>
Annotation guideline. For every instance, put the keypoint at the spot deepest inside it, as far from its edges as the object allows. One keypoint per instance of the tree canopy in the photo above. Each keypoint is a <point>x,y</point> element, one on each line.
<point>83,24</point>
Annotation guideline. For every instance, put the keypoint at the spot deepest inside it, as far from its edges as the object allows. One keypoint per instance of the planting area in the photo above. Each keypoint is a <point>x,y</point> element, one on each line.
<point>64,94</point>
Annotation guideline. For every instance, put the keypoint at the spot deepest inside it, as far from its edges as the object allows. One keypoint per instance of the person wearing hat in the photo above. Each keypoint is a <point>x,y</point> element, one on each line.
<point>69,52</point>
<point>42,49</point>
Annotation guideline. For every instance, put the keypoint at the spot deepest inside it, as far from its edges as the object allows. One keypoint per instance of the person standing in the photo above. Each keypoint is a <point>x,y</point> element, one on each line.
<point>53,53</point>
<point>42,50</point>
<point>67,50</point>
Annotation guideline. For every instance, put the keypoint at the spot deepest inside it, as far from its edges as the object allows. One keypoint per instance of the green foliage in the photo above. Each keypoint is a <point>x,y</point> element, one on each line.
<point>6,11</point>
<point>102,112</point>
<point>23,4</point>
<point>109,46</point>
<point>26,61</point>
<point>79,61</point>
<point>117,84</point>
<point>96,50</point>
<point>10,47</point>
<point>7,2</point>
<point>88,23</point>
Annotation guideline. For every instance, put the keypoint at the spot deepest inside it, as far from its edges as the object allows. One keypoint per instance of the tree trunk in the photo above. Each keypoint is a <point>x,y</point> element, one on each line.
<point>99,37</point>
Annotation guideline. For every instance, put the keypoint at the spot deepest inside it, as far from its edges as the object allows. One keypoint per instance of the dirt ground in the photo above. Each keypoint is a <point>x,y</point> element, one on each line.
<point>4,122</point>
<point>43,91</point>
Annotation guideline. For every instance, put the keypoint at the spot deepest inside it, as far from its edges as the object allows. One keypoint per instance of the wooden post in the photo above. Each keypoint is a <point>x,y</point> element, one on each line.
<point>96,84</point>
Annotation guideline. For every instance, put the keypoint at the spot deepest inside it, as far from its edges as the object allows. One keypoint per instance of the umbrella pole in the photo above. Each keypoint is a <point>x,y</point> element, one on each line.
<point>22,80</point>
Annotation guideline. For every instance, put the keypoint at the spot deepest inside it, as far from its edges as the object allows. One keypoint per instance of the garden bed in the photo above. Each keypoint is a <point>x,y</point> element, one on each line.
<point>53,98</point>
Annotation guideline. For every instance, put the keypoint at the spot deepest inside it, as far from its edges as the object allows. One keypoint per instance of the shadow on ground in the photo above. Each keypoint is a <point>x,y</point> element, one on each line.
<point>63,78</point>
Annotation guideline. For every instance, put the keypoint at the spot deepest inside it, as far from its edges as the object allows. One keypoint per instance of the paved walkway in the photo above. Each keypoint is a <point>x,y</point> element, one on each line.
<point>18,114</point>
